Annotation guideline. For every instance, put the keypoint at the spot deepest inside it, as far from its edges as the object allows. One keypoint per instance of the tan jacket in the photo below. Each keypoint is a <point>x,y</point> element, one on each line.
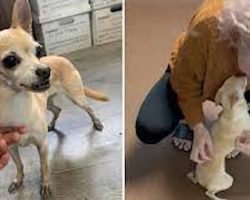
<point>200,62</point>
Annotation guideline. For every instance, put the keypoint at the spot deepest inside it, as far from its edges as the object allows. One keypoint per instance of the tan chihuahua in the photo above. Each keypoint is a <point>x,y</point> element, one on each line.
<point>28,86</point>
<point>233,120</point>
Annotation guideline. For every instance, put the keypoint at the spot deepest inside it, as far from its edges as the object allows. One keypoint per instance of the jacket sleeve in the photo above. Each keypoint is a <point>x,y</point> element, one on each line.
<point>188,75</point>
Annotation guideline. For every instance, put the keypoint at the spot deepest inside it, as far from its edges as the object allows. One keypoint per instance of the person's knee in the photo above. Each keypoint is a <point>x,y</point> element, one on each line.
<point>151,133</point>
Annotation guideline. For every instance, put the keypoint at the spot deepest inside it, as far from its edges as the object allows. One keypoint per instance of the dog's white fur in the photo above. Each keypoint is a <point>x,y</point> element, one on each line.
<point>233,120</point>
<point>20,104</point>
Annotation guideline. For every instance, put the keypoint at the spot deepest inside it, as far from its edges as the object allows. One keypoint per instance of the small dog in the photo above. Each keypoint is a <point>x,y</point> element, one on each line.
<point>233,120</point>
<point>28,87</point>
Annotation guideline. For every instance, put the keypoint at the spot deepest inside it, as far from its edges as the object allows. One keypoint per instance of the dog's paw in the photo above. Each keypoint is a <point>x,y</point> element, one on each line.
<point>14,186</point>
<point>98,125</point>
<point>45,191</point>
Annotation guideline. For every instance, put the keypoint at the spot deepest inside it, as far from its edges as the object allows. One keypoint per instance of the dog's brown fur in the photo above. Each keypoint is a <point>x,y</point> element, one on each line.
<point>62,68</point>
<point>67,80</point>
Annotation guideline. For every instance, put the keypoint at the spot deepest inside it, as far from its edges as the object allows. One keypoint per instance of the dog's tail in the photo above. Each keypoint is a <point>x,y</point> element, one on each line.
<point>93,94</point>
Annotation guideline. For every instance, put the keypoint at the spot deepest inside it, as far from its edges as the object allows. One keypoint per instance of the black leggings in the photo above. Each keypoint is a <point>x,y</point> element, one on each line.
<point>159,114</point>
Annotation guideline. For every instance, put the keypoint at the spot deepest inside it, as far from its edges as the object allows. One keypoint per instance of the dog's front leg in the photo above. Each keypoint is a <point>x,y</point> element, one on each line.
<point>43,153</point>
<point>17,183</point>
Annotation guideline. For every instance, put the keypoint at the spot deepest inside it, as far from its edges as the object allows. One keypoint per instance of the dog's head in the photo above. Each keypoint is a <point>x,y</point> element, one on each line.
<point>232,92</point>
<point>19,66</point>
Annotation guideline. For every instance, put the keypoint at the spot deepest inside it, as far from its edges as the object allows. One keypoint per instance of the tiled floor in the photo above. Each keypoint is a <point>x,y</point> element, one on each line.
<point>158,172</point>
<point>84,164</point>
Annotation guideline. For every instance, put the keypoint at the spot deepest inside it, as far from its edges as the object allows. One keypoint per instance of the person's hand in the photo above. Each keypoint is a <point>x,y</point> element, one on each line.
<point>202,149</point>
<point>242,143</point>
<point>8,136</point>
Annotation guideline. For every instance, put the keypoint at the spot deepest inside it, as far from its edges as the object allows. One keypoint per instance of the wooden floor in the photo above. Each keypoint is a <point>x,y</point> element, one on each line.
<point>84,164</point>
<point>158,172</point>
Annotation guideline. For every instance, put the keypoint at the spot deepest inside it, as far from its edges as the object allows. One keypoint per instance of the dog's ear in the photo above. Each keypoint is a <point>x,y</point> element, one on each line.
<point>21,16</point>
<point>233,98</point>
<point>244,82</point>
<point>227,100</point>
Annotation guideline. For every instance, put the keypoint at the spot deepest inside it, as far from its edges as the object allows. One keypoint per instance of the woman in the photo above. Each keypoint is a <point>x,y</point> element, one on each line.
<point>213,48</point>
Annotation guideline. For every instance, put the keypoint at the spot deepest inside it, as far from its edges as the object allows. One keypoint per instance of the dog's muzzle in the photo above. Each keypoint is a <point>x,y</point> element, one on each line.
<point>43,80</point>
<point>40,86</point>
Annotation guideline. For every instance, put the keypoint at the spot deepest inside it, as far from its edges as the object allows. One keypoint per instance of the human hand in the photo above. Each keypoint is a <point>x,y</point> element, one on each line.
<point>8,136</point>
<point>202,149</point>
<point>242,142</point>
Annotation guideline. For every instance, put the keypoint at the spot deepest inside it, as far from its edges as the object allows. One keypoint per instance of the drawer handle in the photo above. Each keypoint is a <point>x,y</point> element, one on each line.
<point>66,21</point>
<point>116,8</point>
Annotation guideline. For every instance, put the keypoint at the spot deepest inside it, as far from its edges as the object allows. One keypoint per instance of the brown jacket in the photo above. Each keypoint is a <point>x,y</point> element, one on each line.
<point>200,62</point>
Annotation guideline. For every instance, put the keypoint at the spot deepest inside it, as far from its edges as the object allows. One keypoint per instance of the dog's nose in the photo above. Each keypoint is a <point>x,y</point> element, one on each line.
<point>43,72</point>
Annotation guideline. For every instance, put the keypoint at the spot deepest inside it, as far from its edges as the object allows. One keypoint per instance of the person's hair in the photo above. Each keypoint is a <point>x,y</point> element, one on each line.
<point>234,20</point>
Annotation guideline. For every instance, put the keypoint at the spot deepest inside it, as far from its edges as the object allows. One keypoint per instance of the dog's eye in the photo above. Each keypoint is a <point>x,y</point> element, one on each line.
<point>11,60</point>
<point>39,51</point>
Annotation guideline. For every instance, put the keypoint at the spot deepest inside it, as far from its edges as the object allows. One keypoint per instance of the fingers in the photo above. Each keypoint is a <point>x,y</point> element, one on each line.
<point>22,129</point>
<point>242,145</point>
<point>243,148</point>
<point>194,155</point>
<point>238,141</point>
<point>197,156</point>
<point>4,159</point>
<point>12,134</point>
<point>209,148</point>
<point>202,145</point>
<point>201,158</point>
<point>11,138</point>
<point>242,141</point>
<point>3,146</point>
<point>202,154</point>
<point>245,137</point>
<point>9,129</point>
<point>8,137</point>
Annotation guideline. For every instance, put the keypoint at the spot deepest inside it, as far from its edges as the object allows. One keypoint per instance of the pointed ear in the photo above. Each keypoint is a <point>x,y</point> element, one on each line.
<point>244,82</point>
<point>234,98</point>
<point>21,16</point>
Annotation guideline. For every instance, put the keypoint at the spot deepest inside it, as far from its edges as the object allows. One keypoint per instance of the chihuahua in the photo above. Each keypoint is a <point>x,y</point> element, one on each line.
<point>233,120</point>
<point>28,87</point>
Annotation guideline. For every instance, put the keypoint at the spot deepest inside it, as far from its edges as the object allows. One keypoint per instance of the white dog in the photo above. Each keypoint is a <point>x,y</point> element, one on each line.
<point>233,120</point>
